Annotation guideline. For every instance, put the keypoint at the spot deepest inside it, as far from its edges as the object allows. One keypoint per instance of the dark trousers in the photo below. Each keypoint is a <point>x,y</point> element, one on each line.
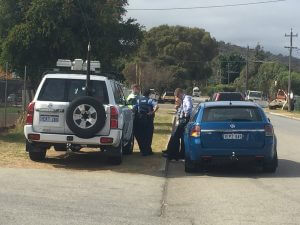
<point>175,147</point>
<point>143,132</point>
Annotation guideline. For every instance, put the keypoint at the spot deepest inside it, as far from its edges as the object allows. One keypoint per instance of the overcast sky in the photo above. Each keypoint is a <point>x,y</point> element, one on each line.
<point>242,25</point>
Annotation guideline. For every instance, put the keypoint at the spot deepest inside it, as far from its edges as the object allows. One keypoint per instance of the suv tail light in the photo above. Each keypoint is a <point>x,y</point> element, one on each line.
<point>195,131</point>
<point>114,114</point>
<point>269,131</point>
<point>30,113</point>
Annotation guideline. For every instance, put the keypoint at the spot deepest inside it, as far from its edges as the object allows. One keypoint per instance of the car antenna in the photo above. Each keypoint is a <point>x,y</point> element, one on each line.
<point>88,68</point>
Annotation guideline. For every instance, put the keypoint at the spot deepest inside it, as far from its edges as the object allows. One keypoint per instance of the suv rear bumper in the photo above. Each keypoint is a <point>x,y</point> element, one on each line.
<point>63,138</point>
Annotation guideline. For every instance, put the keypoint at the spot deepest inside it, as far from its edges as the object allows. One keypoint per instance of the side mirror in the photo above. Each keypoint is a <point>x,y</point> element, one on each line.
<point>269,120</point>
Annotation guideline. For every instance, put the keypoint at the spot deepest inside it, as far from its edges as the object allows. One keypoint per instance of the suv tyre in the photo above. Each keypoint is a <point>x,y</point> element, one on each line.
<point>128,148</point>
<point>117,157</point>
<point>36,153</point>
<point>86,116</point>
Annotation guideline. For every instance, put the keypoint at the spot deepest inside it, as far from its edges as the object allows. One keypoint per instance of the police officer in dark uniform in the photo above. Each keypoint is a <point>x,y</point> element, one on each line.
<point>145,111</point>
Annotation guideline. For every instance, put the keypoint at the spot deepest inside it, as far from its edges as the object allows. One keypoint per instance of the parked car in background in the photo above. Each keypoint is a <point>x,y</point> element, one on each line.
<point>230,131</point>
<point>254,96</point>
<point>168,96</point>
<point>228,96</point>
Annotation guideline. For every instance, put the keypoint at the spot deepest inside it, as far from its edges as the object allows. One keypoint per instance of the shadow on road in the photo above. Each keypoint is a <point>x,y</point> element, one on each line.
<point>286,169</point>
<point>97,161</point>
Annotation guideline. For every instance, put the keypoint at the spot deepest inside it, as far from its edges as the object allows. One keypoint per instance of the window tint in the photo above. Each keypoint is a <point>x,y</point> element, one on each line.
<point>61,90</point>
<point>53,90</point>
<point>76,88</point>
<point>230,97</point>
<point>231,114</point>
<point>119,98</point>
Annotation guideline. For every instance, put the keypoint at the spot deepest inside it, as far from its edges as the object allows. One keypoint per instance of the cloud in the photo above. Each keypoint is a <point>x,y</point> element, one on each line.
<point>243,25</point>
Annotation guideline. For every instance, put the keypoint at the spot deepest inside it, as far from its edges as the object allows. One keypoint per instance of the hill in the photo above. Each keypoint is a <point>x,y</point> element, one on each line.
<point>227,48</point>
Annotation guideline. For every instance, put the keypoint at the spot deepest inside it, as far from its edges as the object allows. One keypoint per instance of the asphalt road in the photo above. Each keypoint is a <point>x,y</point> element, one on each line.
<point>224,195</point>
<point>231,195</point>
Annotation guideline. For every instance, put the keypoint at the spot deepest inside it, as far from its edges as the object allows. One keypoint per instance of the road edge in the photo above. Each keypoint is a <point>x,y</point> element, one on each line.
<point>165,163</point>
<point>285,116</point>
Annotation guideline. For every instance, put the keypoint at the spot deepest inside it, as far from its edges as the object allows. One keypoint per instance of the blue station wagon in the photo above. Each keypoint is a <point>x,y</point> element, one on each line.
<point>234,131</point>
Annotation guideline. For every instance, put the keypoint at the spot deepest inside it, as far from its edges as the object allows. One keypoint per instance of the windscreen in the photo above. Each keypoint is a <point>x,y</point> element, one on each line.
<point>231,114</point>
<point>62,90</point>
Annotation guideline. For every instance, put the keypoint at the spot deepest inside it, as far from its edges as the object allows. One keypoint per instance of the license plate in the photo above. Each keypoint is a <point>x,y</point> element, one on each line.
<point>232,136</point>
<point>49,119</point>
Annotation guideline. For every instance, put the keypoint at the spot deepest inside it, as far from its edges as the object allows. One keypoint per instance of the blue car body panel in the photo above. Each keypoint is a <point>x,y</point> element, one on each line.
<point>254,142</point>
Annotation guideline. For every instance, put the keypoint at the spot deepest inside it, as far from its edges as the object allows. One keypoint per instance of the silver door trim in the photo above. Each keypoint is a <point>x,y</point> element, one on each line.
<point>231,131</point>
<point>50,110</point>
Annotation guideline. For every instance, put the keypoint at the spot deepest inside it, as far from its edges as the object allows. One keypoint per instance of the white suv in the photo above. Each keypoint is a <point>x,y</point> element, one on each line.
<point>62,116</point>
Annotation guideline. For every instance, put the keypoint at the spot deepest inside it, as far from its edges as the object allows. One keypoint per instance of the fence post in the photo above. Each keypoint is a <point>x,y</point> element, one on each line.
<point>24,94</point>
<point>5,96</point>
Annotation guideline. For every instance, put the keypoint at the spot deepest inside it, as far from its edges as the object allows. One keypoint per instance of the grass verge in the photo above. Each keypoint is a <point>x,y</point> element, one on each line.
<point>294,114</point>
<point>12,153</point>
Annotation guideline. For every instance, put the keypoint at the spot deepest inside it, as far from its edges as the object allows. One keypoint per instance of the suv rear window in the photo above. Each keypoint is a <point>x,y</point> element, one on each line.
<point>231,114</point>
<point>66,90</point>
<point>229,97</point>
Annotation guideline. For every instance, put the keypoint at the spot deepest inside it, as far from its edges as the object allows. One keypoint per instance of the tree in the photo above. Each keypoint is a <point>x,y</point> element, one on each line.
<point>186,52</point>
<point>42,31</point>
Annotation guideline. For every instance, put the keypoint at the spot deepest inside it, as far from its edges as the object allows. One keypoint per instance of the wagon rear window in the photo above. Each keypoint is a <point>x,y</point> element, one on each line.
<point>231,114</point>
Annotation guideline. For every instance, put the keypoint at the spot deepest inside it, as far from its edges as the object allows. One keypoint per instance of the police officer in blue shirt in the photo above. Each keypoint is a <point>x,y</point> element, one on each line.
<point>145,111</point>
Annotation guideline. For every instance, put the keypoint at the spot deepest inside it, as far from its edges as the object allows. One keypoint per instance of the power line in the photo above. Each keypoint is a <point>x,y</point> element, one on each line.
<point>206,7</point>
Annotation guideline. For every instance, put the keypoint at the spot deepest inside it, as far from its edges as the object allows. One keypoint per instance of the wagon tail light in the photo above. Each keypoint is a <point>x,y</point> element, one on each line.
<point>30,113</point>
<point>114,117</point>
<point>269,131</point>
<point>195,131</point>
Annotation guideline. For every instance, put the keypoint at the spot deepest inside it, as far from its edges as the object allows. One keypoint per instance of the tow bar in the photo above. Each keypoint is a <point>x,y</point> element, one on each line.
<point>233,157</point>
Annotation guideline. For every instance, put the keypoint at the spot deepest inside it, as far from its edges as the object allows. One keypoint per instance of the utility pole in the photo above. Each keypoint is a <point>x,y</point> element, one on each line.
<point>247,70</point>
<point>136,73</point>
<point>5,96</point>
<point>291,47</point>
<point>228,72</point>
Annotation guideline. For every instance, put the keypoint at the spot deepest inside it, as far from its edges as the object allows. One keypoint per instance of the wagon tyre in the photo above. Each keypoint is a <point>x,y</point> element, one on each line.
<point>189,166</point>
<point>271,166</point>
<point>85,117</point>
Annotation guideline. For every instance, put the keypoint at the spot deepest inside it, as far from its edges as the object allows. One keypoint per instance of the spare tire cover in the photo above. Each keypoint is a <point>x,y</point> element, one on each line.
<point>85,116</point>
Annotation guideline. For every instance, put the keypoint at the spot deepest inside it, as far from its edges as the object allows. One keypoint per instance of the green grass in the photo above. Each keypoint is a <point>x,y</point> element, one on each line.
<point>13,136</point>
<point>12,152</point>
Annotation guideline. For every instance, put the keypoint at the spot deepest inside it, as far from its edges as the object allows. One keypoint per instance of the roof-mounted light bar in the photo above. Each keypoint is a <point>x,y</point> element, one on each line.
<point>78,65</point>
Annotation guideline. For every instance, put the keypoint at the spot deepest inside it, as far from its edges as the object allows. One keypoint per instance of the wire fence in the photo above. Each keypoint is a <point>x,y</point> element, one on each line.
<point>14,97</point>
